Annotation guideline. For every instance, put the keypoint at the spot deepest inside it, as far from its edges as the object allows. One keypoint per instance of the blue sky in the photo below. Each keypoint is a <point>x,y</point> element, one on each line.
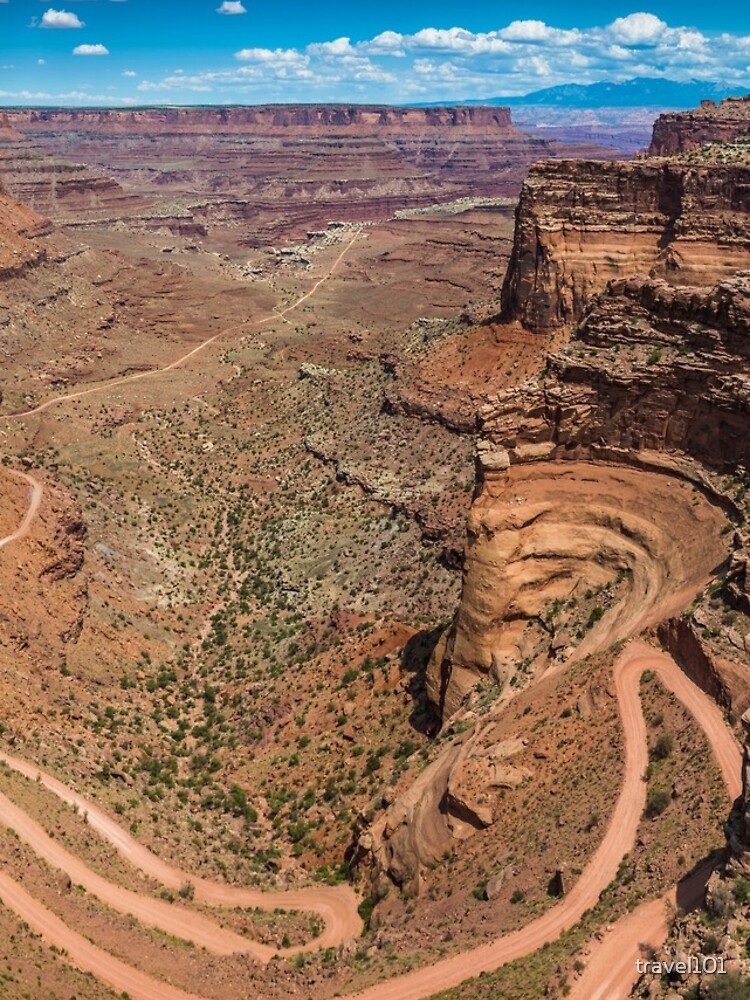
<point>124,52</point>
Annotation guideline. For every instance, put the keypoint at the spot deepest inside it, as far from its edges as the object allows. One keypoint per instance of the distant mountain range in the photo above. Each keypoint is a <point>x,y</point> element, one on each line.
<point>640,93</point>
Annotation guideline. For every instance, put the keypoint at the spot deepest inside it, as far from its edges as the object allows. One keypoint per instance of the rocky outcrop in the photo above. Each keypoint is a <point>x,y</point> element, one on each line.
<point>46,587</point>
<point>6,129</point>
<point>20,230</point>
<point>683,131</point>
<point>581,224</point>
<point>564,558</point>
<point>726,682</point>
<point>651,367</point>
<point>455,797</point>
<point>58,189</point>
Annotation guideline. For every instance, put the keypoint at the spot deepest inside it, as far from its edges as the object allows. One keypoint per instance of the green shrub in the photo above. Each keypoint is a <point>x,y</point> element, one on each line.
<point>663,747</point>
<point>656,802</point>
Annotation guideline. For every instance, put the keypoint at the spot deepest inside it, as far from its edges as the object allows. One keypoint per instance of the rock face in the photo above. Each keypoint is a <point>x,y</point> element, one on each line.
<point>67,192</point>
<point>746,780</point>
<point>580,224</point>
<point>562,554</point>
<point>46,586</point>
<point>453,799</point>
<point>680,132</point>
<point>20,229</point>
<point>651,367</point>
<point>655,376</point>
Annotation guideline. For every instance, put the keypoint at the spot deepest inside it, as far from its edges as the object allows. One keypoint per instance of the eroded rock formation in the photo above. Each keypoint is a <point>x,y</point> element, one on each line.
<point>651,367</point>
<point>682,131</point>
<point>580,224</point>
<point>19,231</point>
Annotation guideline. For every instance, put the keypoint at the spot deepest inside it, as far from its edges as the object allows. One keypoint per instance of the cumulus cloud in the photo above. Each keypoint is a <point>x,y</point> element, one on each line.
<point>60,19</point>
<point>455,63</point>
<point>129,72</point>
<point>90,50</point>
<point>638,29</point>
<point>231,7</point>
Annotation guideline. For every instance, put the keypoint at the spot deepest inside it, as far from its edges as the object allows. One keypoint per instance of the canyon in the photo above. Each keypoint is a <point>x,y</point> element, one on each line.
<point>255,176</point>
<point>343,505</point>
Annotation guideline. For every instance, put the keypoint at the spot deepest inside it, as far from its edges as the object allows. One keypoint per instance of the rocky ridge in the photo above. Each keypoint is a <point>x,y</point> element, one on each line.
<point>680,132</point>
<point>161,120</point>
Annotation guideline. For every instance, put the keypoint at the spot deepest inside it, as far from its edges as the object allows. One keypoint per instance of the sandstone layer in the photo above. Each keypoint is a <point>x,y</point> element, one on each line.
<point>580,224</point>
<point>19,229</point>
<point>651,367</point>
<point>564,557</point>
<point>680,132</point>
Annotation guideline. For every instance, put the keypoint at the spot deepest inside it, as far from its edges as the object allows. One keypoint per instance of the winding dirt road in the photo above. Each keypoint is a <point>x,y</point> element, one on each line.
<point>609,975</point>
<point>618,840</point>
<point>154,372</point>
<point>337,906</point>
<point>611,971</point>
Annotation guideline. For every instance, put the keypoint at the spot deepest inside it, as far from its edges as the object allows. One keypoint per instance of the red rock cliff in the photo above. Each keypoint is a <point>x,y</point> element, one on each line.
<point>580,224</point>
<point>268,116</point>
<point>680,132</point>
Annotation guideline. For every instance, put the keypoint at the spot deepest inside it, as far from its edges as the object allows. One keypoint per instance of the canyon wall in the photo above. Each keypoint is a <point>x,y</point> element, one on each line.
<point>651,367</point>
<point>580,224</point>
<point>682,131</point>
<point>266,174</point>
<point>161,120</point>
<point>20,228</point>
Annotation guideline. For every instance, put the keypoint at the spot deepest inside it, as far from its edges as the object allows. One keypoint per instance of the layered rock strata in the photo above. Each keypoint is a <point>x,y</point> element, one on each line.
<point>680,132</point>
<point>266,172</point>
<point>580,224</point>
<point>20,229</point>
<point>161,120</point>
<point>651,367</point>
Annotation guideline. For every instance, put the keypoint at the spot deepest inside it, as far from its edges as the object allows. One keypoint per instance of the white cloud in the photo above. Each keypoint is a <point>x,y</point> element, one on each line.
<point>454,63</point>
<point>60,19</point>
<point>231,7</point>
<point>638,29</point>
<point>129,72</point>
<point>338,47</point>
<point>90,50</point>
<point>41,62</point>
<point>387,43</point>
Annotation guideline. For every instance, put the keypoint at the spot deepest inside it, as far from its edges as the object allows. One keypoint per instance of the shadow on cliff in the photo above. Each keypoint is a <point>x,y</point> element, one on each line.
<point>691,888</point>
<point>414,660</point>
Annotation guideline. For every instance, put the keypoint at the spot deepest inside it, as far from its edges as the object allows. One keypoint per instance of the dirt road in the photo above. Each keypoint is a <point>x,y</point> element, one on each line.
<point>153,373</point>
<point>35,499</point>
<point>611,971</point>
